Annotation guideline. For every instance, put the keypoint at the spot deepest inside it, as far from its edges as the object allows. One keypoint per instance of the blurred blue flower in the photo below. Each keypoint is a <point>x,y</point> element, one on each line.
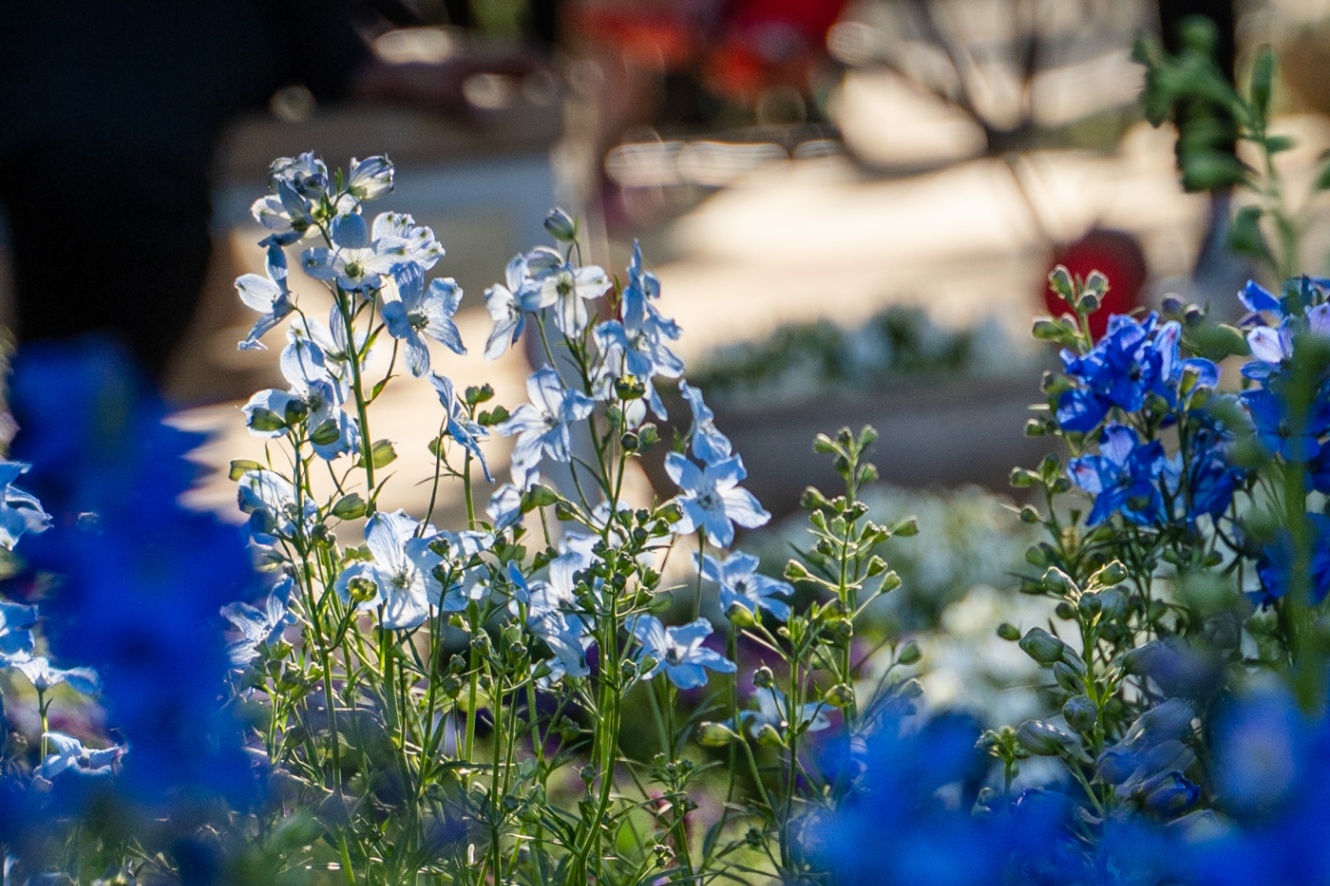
<point>1275,566</point>
<point>20,512</point>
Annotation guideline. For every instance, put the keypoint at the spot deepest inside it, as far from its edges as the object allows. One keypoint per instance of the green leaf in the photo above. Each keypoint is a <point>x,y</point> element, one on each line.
<point>1245,237</point>
<point>1262,80</point>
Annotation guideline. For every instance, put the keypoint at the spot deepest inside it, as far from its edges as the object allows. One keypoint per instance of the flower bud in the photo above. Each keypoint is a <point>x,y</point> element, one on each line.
<point>1046,740</point>
<point>715,735</point>
<point>839,696</point>
<point>740,615</point>
<point>1008,631</point>
<point>349,507</point>
<point>909,654</point>
<point>1067,678</point>
<point>767,736</point>
<point>560,225</point>
<point>763,678</point>
<point>1080,713</point>
<point>1042,646</point>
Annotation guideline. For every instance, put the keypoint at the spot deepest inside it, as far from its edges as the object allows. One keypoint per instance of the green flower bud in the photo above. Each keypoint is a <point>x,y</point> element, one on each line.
<point>561,225</point>
<point>1046,740</point>
<point>1080,713</point>
<point>1042,646</point>
<point>1067,678</point>
<point>909,654</point>
<point>715,735</point>
<point>1008,631</point>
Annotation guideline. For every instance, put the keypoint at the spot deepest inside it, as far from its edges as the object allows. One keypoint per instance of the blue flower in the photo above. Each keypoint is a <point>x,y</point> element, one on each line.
<point>259,628</point>
<point>742,585</point>
<point>1269,413</point>
<point>709,445</point>
<point>355,262</point>
<point>567,289</point>
<point>20,512</point>
<point>69,754</point>
<point>509,305</point>
<point>1122,478</point>
<point>122,550</point>
<point>712,499</point>
<point>398,238</point>
<point>505,506</point>
<point>270,500</point>
<point>1128,364</point>
<point>773,709</point>
<point>44,677</point>
<point>1275,566</point>
<point>678,652</point>
<point>16,622</point>
<point>457,424</point>
<point>267,295</point>
<point>401,573</point>
<point>369,178</point>
<point>898,828</point>
<point>542,426</point>
<point>416,311</point>
<point>314,399</point>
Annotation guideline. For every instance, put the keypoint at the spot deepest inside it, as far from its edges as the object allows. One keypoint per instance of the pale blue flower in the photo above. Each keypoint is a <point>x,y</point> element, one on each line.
<point>270,501</point>
<point>712,500</point>
<point>259,628</point>
<point>16,621</point>
<point>305,173</point>
<point>773,709</point>
<point>576,555</point>
<point>355,262</point>
<point>20,512</point>
<point>740,583</point>
<point>542,425</point>
<point>299,186</point>
<point>678,652</point>
<point>467,575</point>
<point>314,400</point>
<point>369,178</point>
<point>505,506</point>
<point>508,305</point>
<point>396,235</point>
<point>44,677</point>
<point>636,346</point>
<point>417,310</point>
<point>458,424</point>
<point>709,445</point>
<point>568,288</point>
<point>401,571</point>
<point>68,753</point>
<point>267,295</point>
